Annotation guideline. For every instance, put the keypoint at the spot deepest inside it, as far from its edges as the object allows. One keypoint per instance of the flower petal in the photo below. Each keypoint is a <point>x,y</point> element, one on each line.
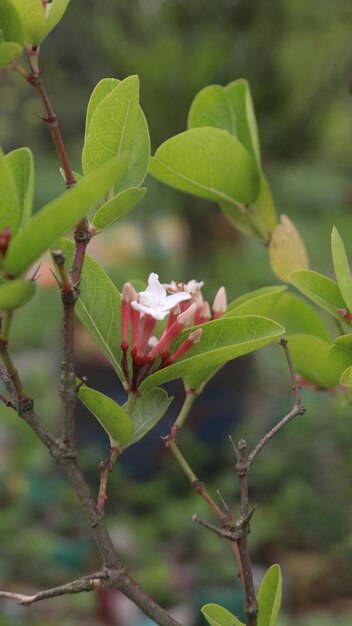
<point>155,287</point>
<point>176,298</point>
<point>157,314</point>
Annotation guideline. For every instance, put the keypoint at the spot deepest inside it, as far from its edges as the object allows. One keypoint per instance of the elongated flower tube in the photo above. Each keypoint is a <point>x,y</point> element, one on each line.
<point>185,346</point>
<point>170,335</point>
<point>128,294</point>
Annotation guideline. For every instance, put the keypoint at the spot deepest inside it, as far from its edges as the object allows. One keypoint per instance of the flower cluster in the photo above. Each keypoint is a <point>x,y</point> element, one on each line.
<point>182,305</point>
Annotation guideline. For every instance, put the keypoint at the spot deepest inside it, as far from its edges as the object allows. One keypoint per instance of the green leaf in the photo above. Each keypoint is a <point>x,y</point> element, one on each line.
<point>148,410</point>
<point>207,162</point>
<point>53,14</point>
<point>264,205</point>
<point>118,206</point>
<point>222,340</point>
<point>111,415</point>
<point>297,316</point>
<point>322,290</point>
<point>10,24</point>
<point>258,302</point>
<point>9,51</point>
<point>245,220</point>
<point>310,356</point>
<point>32,17</point>
<point>216,615</point>
<point>269,597</point>
<point>341,354</point>
<point>230,108</point>
<point>9,201</point>
<point>286,249</point>
<point>341,266</point>
<point>16,293</point>
<point>98,306</point>
<point>115,122</point>
<point>100,91</point>
<point>346,377</point>
<point>20,163</point>
<point>60,215</point>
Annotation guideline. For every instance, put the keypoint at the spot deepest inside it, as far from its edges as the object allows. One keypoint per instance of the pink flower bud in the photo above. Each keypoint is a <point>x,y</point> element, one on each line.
<point>203,314</point>
<point>129,293</point>
<point>220,303</point>
<point>185,346</point>
<point>185,318</point>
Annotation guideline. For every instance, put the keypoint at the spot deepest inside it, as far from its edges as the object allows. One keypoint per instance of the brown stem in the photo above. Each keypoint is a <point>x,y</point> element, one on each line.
<point>242,468</point>
<point>200,488</point>
<point>106,468</point>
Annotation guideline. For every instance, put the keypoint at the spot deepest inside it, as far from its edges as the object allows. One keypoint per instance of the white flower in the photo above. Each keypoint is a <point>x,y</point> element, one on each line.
<point>191,287</point>
<point>154,300</point>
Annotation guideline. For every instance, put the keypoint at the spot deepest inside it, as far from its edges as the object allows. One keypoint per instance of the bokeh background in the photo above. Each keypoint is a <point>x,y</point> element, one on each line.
<point>297,58</point>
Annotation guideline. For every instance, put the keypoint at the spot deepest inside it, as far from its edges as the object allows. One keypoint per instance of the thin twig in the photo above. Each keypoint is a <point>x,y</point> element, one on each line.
<point>298,408</point>
<point>106,468</point>
<point>86,583</point>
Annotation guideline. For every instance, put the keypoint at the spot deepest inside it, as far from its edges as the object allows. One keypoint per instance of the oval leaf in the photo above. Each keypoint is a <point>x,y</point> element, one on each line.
<point>16,293</point>
<point>115,122</point>
<point>10,24</point>
<point>230,108</point>
<point>20,163</point>
<point>207,162</point>
<point>222,340</point>
<point>245,219</point>
<point>341,354</point>
<point>111,415</point>
<point>297,316</point>
<point>258,302</point>
<point>148,410</point>
<point>60,215</point>
<point>269,597</point>
<point>310,356</point>
<point>32,17</point>
<point>117,207</point>
<point>10,213</point>
<point>322,290</point>
<point>53,14</point>
<point>341,267</point>
<point>286,249</point>
<point>216,615</point>
<point>98,306</point>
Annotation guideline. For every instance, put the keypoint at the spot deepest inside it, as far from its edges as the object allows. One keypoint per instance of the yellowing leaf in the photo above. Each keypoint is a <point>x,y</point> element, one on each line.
<point>287,252</point>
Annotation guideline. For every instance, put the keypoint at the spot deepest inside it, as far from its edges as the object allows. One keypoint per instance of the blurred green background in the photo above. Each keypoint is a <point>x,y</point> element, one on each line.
<point>297,58</point>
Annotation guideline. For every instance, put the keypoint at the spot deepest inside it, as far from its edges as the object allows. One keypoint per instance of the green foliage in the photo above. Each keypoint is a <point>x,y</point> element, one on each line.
<point>269,597</point>
<point>98,307</point>
<point>32,17</point>
<point>230,108</point>
<point>341,358</point>
<point>10,212</point>
<point>147,411</point>
<point>53,14</point>
<point>118,206</point>
<point>207,162</point>
<point>11,34</point>
<point>21,165</point>
<point>216,615</point>
<point>297,316</point>
<point>60,215</point>
<point>322,290</point>
<point>258,302</point>
<point>16,293</point>
<point>115,123</point>
<point>111,415</point>
<point>341,266</point>
<point>222,340</point>
<point>310,355</point>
